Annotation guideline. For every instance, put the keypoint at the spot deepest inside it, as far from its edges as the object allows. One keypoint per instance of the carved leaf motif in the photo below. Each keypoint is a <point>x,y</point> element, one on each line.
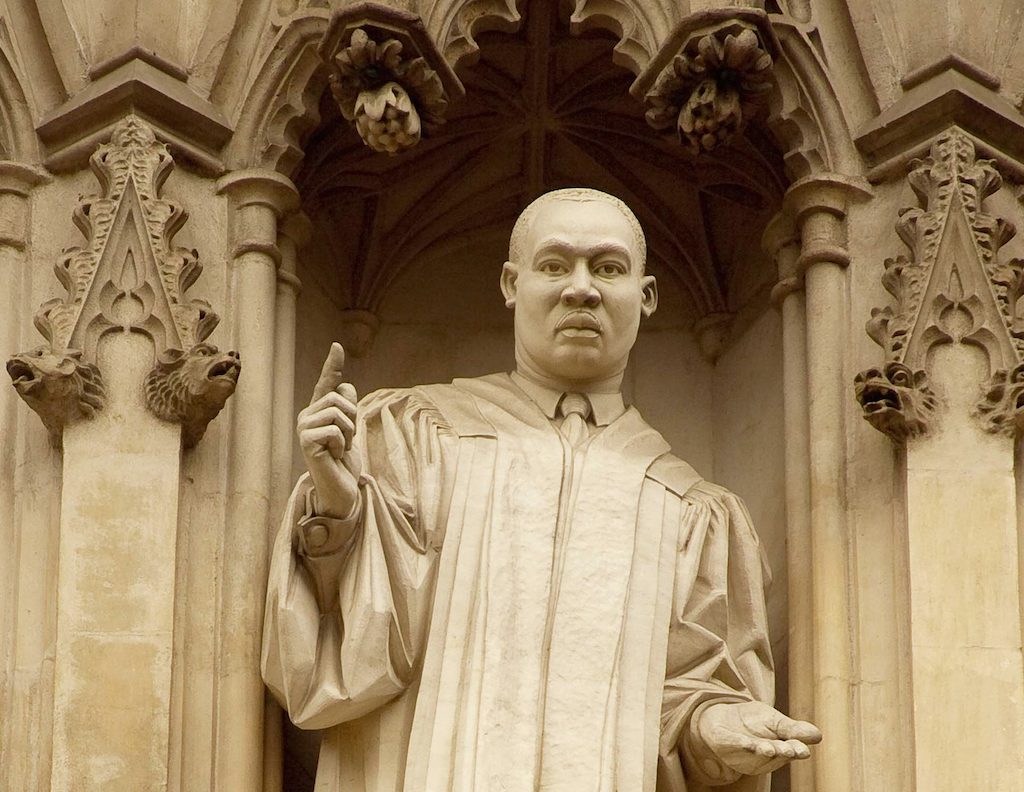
<point>120,279</point>
<point>952,291</point>
<point>388,95</point>
<point>711,89</point>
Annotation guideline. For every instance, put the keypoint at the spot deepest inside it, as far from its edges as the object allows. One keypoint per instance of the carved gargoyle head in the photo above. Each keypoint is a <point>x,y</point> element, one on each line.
<point>896,400</point>
<point>1001,407</point>
<point>191,387</point>
<point>57,385</point>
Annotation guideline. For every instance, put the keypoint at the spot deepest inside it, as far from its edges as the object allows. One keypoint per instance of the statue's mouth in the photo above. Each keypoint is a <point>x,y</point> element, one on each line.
<point>582,323</point>
<point>21,373</point>
<point>877,397</point>
<point>226,369</point>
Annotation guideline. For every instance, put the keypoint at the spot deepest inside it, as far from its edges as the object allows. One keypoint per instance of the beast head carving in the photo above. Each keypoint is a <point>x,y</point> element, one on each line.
<point>1001,408</point>
<point>191,387</point>
<point>59,386</point>
<point>896,400</point>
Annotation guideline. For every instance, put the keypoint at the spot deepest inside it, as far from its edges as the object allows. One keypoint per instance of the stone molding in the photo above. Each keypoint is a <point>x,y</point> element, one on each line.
<point>261,199</point>
<point>711,75</point>
<point>387,75</point>
<point>16,183</point>
<point>951,91</point>
<point>141,83</point>
<point>805,115</point>
<point>953,288</point>
<point>128,277</point>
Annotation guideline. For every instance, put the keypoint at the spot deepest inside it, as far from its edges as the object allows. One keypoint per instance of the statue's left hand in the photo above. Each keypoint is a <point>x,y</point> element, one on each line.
<point>753,738</point>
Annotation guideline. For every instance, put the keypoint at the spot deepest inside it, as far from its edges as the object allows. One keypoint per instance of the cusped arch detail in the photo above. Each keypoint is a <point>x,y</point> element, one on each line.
<point>639,25</point>
<point>805,117</point>
<point>455,24</point>
<point>282,103</point>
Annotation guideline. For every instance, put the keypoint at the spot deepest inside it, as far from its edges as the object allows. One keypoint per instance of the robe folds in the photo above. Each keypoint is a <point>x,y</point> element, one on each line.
<point>515,615</point>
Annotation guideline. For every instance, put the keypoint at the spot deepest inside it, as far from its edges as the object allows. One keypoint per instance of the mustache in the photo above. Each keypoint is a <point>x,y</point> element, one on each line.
<point>579,319</point>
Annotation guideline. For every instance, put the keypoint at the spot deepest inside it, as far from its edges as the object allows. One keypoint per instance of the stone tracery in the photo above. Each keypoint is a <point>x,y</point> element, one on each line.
<point>952,289</point>
<point>129,277</point>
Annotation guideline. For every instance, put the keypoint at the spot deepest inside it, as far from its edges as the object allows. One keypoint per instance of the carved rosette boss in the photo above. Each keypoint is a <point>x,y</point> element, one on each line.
<point>953,288</point>
<point>128,277</point>
<point>386,75</point>
<point>710,78</point>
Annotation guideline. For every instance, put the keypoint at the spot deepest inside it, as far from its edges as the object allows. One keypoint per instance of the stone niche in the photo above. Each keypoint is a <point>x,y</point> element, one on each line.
<point>405,252</point>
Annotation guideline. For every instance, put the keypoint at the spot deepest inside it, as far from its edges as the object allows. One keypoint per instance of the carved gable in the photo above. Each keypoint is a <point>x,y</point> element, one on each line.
<point>128,277</point>
<point>952,289</point>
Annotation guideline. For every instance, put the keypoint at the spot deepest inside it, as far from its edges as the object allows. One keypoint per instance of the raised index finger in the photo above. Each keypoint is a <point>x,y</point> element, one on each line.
<point>332,374</point>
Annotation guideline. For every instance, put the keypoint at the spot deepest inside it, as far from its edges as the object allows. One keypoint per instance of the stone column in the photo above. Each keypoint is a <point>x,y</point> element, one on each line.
<point>259,199</point>
<point>28,481</point>
<point>295,233</point>
<point>126,378</point>
<point>783,245</point>
<point>818,206</point>
<point>115,627</point>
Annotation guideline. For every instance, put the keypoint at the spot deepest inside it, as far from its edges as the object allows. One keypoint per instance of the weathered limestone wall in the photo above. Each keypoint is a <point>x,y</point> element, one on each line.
<point>749,446</point>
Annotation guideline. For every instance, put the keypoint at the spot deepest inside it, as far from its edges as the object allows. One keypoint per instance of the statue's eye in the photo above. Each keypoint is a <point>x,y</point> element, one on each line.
<point>900,377</point>
<point>551,267</point>
<point>609,269</point>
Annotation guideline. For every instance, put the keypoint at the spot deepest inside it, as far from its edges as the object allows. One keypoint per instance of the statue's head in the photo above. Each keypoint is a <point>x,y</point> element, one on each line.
<point>575,279</point>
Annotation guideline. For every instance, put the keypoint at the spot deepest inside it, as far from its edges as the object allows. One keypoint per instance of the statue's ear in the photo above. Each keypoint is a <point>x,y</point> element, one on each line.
<point>509,276</point>
<point>649,288</point>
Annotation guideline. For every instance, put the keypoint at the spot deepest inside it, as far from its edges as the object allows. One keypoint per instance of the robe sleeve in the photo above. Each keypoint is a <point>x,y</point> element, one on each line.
<point>344,632</point>
<point>718,648</point>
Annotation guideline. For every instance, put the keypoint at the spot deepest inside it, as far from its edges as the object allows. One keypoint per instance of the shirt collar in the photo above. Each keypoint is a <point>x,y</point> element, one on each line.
<point>605,407</point>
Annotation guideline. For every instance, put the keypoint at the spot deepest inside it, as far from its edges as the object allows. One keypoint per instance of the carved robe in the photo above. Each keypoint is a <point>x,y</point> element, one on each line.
<point>515,615</point>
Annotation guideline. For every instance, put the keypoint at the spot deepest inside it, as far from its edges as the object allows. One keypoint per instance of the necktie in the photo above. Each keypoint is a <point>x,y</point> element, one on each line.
<point>575,408</point>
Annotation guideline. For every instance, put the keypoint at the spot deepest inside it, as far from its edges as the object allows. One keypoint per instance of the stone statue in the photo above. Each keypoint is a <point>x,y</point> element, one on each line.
<point>509,583</point>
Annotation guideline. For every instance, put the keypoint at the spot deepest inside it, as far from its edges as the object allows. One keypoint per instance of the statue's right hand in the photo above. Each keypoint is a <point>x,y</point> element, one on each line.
<point>326,429</point>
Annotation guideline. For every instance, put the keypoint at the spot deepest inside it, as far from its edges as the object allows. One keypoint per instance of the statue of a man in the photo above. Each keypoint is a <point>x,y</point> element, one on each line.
<point>509,583</point>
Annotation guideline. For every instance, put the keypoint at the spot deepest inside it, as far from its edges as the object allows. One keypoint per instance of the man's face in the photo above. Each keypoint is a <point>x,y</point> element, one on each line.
<point>579,292</point>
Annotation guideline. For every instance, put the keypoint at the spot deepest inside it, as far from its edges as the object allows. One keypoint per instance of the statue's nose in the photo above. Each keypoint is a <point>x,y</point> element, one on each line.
<point>581,291</point>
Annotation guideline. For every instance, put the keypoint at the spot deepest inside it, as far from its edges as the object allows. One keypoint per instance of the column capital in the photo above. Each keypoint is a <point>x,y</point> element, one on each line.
<point>261,199</point>
<point>260,187</point>
<point>16,182</point>
<point>18,178</point>
<point>830,193</point>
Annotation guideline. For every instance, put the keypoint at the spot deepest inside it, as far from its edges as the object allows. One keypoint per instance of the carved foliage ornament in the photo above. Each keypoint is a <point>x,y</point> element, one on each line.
<point>710,89</point>
<point>388,94</point>
<point>130,278</point>
<point>951,289</point>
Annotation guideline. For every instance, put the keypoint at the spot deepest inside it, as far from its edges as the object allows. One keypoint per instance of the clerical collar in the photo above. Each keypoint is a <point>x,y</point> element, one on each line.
<point>605,407</point>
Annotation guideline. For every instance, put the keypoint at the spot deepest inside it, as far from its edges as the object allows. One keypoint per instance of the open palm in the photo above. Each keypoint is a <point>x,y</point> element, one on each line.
<point>753,738</point>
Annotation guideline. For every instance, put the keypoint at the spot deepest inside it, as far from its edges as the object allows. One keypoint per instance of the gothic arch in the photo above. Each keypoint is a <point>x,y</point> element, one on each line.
<point>454,25</point>
<point>805,117</point>
<point>282,102</point>
<point>639,26</point>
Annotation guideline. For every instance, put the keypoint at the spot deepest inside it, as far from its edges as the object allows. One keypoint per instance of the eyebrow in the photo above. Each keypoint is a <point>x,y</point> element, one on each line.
<point>566,248</point>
